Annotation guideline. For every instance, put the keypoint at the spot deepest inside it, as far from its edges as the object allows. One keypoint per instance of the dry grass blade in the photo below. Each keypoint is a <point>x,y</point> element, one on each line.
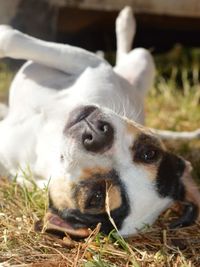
<point>107,207</point>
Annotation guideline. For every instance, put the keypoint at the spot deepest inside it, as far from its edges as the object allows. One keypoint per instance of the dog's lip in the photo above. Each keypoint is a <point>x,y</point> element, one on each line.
<point>53,222</point>
<point>79,114</point>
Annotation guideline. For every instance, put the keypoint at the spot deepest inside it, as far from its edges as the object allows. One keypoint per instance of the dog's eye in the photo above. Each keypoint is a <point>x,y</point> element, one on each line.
<point>149,155</point>
<point>146,155</point>
<point>96,200</point>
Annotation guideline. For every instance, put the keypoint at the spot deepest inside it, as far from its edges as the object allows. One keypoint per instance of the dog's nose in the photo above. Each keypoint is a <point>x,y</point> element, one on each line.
<point>98,134</point>
<point>88,126</point>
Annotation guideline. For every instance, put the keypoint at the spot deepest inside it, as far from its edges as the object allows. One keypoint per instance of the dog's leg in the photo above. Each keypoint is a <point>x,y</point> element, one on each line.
<point>66,58</point>
<point>136,66</point>
<point>125,32</point>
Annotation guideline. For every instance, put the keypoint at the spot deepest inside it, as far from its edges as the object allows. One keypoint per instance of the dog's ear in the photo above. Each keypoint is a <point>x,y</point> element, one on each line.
<point>191,203</point>
<point>174,180</point>
<point>170,172</point>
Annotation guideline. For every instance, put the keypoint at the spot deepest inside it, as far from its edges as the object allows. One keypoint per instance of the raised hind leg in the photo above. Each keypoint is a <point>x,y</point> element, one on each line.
<point>137,65</point>
<point>125,28</point>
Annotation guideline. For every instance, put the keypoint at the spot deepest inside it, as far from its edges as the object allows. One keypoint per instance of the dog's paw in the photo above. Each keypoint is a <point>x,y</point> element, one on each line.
<point>5,35</point>
<point>126,24</point>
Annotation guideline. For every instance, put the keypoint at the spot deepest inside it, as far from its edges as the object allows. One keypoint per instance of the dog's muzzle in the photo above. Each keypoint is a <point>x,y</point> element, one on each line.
<point>87,125</point>
<point>92,198</point>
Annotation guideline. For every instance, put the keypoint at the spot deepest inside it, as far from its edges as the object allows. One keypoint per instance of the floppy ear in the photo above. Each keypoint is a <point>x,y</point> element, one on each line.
<point>174,180</point>
<point>191,202</point>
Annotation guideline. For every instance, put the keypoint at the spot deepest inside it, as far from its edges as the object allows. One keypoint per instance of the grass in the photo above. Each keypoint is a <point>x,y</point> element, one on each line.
<point>5,79</point>
<point>173,104</point>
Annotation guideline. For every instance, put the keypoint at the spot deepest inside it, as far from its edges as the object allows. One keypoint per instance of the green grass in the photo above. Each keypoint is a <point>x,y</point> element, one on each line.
<point>176,95</point>
<point>5,79</point>
<point>172,104</point>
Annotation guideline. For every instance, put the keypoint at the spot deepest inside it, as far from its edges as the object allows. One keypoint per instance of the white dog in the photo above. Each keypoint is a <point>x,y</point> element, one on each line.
<point>74,119</point>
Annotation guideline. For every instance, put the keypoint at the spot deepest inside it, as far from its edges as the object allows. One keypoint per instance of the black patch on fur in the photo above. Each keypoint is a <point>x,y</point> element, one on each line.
<point>170,184</point>
<point>78,219</point>
<point>169,174</point>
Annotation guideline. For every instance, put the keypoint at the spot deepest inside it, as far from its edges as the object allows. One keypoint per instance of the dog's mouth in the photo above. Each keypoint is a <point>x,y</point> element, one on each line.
<point>53,223</point>
<point>93,199</point>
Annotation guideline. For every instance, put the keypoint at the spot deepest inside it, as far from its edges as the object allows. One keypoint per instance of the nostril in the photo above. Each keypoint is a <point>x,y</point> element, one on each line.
<point>103,127</point>
<point>98,135</point>
<point>87,139</point>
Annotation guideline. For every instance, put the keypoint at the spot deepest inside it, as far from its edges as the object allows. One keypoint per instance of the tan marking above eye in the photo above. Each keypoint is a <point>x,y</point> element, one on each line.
<point>114,197</point>
<point>136,130</point>
<point>146,153</point>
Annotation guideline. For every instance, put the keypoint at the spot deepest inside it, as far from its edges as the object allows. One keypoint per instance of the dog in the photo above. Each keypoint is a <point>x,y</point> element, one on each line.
<point>76,123</point>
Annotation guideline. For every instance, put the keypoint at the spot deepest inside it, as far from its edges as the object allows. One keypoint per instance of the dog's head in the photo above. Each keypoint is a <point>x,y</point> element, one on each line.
<point>111,164</point>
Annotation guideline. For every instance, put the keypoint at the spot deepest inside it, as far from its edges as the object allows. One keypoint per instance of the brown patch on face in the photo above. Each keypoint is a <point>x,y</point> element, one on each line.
<point>152,171</point>
<point>145,145</point>
<point>91,187</point>
<point>138,130</point>
<point>148,139</point>
<point>90,193</point>
<point>90,197</point>
<point>60,193</point>
<point>147,151</point>
<point>114,197</point>
<point>87,173</point>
